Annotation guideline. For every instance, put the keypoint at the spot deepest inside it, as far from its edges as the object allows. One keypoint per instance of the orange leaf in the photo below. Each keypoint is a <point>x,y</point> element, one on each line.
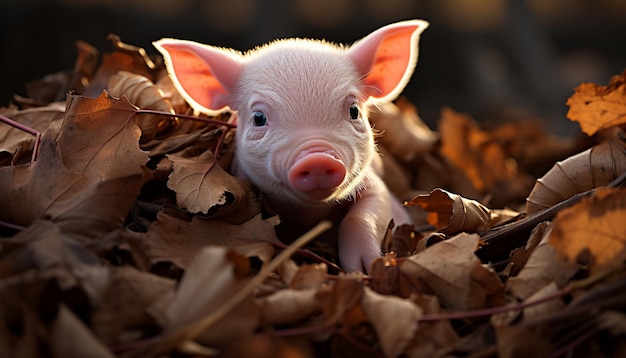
<point>597,107</point>
<point>595,225</point>
<point>451,213</point>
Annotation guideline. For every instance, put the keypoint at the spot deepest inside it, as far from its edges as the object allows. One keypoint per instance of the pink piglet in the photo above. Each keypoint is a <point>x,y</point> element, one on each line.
<point>303,135</point>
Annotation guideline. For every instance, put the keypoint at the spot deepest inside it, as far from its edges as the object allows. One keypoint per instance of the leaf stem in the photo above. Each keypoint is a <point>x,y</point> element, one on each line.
<point>186,116</point>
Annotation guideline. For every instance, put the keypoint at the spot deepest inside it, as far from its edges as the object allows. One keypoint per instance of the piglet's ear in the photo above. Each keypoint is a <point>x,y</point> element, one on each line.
<point>386,58</point>
<point>204,75</point>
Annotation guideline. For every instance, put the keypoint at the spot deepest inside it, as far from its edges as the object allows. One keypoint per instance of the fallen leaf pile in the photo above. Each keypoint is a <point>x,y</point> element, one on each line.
<point>123,233</point>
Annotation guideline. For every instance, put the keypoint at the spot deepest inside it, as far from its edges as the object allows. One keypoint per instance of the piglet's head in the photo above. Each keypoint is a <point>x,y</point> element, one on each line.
<point>303,135</point>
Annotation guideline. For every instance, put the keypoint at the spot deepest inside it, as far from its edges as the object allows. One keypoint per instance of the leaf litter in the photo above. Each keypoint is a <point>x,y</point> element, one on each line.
<point>127,236</point>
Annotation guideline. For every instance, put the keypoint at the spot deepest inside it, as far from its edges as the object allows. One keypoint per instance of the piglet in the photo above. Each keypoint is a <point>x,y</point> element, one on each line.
<point>303,135</point>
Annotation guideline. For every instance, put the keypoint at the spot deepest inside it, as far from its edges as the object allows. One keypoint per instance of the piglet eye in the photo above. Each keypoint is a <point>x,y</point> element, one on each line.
<point>259,118</point>
<point>354,112</point>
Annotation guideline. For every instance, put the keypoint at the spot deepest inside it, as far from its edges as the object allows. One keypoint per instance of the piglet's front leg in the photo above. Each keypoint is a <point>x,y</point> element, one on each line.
<point>364,226</point>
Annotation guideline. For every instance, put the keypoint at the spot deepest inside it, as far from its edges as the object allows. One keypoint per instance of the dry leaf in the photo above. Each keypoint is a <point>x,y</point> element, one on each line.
<point>542,268</point>
<point>584,171</point>
<point>598,107</point>
<point>288,306</point>
<point>71,338</point>
<point>201,185</point>
<point>141,92</point>
<point>19,143</point>
<point>595,226</point>
<point>393,318</point>
<point>127,301</point>
<point>178,241</point>
<point>451,213</point>
<point>340,298</point>
<point>452,270</point>
<point>100,139</point>
<point>213,278</point>
<point>405,135</point>
<point>432,338</point>
<point>521,341</point>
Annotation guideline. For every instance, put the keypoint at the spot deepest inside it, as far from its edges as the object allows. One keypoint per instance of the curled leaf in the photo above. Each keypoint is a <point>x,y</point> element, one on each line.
<point>146,95</point>
<point>590,169</point>
<point>451,213</point>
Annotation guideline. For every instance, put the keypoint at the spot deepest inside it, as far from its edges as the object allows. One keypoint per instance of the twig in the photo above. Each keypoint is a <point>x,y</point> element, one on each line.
<point>194,330</point>
<point>26,129</point>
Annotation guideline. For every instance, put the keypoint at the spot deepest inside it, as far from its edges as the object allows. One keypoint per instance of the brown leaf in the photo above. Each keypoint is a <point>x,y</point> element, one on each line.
<point>595,226</point>
<point>16,142</point>
<point>210,281</point>
<point>100,139</point>
<point>53,254</point>
<point>597,107</point>
<point>141,92</point>
<point>174,240</point>
<point>201,185</point>
<point>584,171</point>
<point>482,157</point>
<point>35,321</point>
<point>288,306</point>
<point>337,302</point>
<point>127,303</point>
<point>405,135</point>
<point>542,267</point>
<point>521,341</point>
<point>451,213</point>
<point>432,338</point>
<point>393,318</point>
<point>452,270</point>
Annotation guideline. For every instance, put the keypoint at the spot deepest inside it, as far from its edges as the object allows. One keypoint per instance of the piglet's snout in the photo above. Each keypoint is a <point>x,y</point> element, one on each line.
<point>315,171</point>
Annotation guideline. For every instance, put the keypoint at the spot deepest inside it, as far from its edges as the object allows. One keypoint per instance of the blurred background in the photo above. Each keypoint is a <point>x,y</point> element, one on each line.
<point>490,58</point>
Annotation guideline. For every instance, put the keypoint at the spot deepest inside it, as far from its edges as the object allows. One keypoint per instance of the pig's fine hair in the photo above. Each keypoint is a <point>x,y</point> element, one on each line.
<point>303,136</point>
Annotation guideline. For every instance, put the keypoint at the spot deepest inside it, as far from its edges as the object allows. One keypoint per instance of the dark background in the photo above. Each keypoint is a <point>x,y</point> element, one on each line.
<point>490,58</point>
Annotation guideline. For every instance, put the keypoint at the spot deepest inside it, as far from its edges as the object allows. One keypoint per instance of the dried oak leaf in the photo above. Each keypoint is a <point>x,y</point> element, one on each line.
<point>214,276</point>
<point>594,226</point>
<point>394,319</point>
<point>597,107</point>
<point>201,185</point>
<point>49,190</point>
<point>175,240</point>
<point>451,213</point>
<point>454,273</point>
<point>99,138</point>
